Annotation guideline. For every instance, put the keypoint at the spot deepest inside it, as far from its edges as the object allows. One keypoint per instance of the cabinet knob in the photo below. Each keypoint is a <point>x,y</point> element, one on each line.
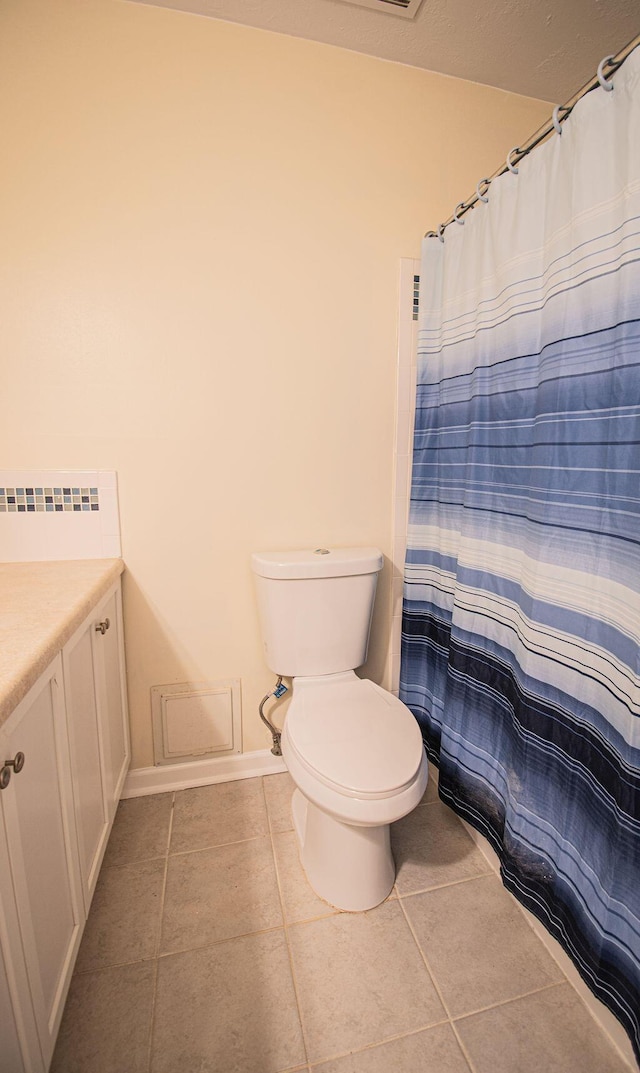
<point>5,772</point>
<point>102,627</point>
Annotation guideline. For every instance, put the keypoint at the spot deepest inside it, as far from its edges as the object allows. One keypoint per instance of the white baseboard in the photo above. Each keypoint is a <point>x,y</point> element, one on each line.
<point>597,1009</point>
<point>167,777</point>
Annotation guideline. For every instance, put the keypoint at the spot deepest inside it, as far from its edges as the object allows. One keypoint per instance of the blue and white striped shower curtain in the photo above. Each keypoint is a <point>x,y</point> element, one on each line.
<point>521,624</point>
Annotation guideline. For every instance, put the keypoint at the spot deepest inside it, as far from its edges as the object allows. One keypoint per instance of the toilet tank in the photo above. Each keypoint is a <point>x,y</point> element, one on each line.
<point>315,608</point>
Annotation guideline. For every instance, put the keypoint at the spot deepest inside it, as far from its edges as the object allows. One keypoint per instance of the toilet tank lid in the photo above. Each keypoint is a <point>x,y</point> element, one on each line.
<point>317,562</point>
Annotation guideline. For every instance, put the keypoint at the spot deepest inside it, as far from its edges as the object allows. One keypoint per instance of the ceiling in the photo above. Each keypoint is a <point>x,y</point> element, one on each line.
<point>541,48</point>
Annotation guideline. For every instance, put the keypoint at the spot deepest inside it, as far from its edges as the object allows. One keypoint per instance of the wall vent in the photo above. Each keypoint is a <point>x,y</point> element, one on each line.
<point>408,9</point>
<point>196,720</point>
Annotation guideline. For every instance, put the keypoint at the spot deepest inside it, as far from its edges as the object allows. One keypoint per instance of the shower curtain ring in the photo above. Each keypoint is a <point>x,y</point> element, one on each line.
<point>440,232</point>
<point>556,119</point>
<point>461,205</point>
<point>601,79</point>
<point>486,183</point>
<point>511,166</point>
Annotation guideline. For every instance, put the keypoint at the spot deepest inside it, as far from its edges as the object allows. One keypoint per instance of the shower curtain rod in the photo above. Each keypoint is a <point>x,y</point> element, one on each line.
<point>560,113</point>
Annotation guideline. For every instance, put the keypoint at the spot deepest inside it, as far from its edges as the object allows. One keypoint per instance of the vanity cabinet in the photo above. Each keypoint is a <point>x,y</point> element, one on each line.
<point>56,812</point>
<point>10,1041</point>
<point>108,643</point>
<point>93,664</point>
<point>38,815</point>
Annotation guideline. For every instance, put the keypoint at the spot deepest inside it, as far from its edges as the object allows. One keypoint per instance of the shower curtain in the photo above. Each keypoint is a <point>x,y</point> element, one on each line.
<point>521,621</point>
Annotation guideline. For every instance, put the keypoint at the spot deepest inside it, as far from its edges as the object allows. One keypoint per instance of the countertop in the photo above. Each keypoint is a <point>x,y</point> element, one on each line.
<point>41,606</point>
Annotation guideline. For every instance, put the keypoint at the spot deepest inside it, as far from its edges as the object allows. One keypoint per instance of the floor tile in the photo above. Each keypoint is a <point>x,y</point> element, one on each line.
<point>435,1050</point>
<point>431,792</point>
<point>218,893</point>
<point>478,944</point>
<point>140,829</point>
<point>107,1021</point>
<point>549,1032</point>
<point>124,920</point>
<point>229,1007</point>
<point>216,815</point>
<point>360,979</point>
<point>278,790</point>
<point>300,902</point>
<point>431,848</point>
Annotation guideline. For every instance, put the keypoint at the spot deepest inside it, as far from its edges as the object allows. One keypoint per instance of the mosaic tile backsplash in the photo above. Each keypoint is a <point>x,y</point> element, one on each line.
<point>24,500</point>
<point>48,514</point>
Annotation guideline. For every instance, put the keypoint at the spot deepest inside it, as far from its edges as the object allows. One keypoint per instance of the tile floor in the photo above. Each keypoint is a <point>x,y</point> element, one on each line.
<point>207,952</point>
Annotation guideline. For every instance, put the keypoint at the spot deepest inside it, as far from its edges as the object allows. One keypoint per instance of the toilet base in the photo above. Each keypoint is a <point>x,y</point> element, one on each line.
<point>349,866</point>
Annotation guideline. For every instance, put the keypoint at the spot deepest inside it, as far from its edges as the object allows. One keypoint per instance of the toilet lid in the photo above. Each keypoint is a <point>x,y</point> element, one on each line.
<point>354,735</point>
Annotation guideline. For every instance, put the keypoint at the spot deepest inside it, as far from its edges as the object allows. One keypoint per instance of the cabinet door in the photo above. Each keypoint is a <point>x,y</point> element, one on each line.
<point>37,810</point>
<point>112,698</point>
<point>19,1045</point>
<point>92,821</point>
<point>10,1049</point>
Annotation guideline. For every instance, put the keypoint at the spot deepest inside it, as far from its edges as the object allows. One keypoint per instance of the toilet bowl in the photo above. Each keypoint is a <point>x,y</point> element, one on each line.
<point>355,753</point>
<point>353,750</point>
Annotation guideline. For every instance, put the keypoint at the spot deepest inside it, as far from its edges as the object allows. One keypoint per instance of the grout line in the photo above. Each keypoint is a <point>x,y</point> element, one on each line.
<point>443,886</point>
<point>114,965</point>
<point>267,810</point>
<point>217,845</point>
<point>439,993</point>
<point>333,912</point>
<point>286,935</point>
<point>426,963</point>
<point>153,1014</point>
<point>164,880</point>
<point>217,942</point>
<point>508,1001</point>
<point>163,892</point>
<point>296,992</point>
<point>128,864</point>
<point>381,1043</point>
<point>465,1053</point>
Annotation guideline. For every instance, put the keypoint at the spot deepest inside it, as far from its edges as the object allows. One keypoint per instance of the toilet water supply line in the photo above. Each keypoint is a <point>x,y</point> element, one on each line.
<point>279,691</point>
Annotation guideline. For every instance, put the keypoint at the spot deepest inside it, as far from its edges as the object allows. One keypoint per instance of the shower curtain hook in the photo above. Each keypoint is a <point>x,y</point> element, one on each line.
<point>461,205</point>
<point>556,120</point>
<point>601,79</point>
<point>440,232</point>
<point>511,166</point>
<point>483,197</point>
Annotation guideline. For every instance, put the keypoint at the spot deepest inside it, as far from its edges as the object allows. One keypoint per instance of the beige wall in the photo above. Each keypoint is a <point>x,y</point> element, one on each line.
<point>201,232</point>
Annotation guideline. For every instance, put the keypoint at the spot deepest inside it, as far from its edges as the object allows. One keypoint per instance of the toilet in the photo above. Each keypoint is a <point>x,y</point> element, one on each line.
<point>353,750</point>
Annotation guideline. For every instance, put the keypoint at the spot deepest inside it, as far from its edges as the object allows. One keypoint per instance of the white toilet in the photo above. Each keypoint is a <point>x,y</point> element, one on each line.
<point>354,751</point>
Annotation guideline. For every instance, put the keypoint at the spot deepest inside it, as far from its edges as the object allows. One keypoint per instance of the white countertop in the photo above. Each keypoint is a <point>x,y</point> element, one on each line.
<point>41,606</point>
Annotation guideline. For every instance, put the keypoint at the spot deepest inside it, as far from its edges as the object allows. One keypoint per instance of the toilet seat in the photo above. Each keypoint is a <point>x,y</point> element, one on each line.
<point>352,736</point>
